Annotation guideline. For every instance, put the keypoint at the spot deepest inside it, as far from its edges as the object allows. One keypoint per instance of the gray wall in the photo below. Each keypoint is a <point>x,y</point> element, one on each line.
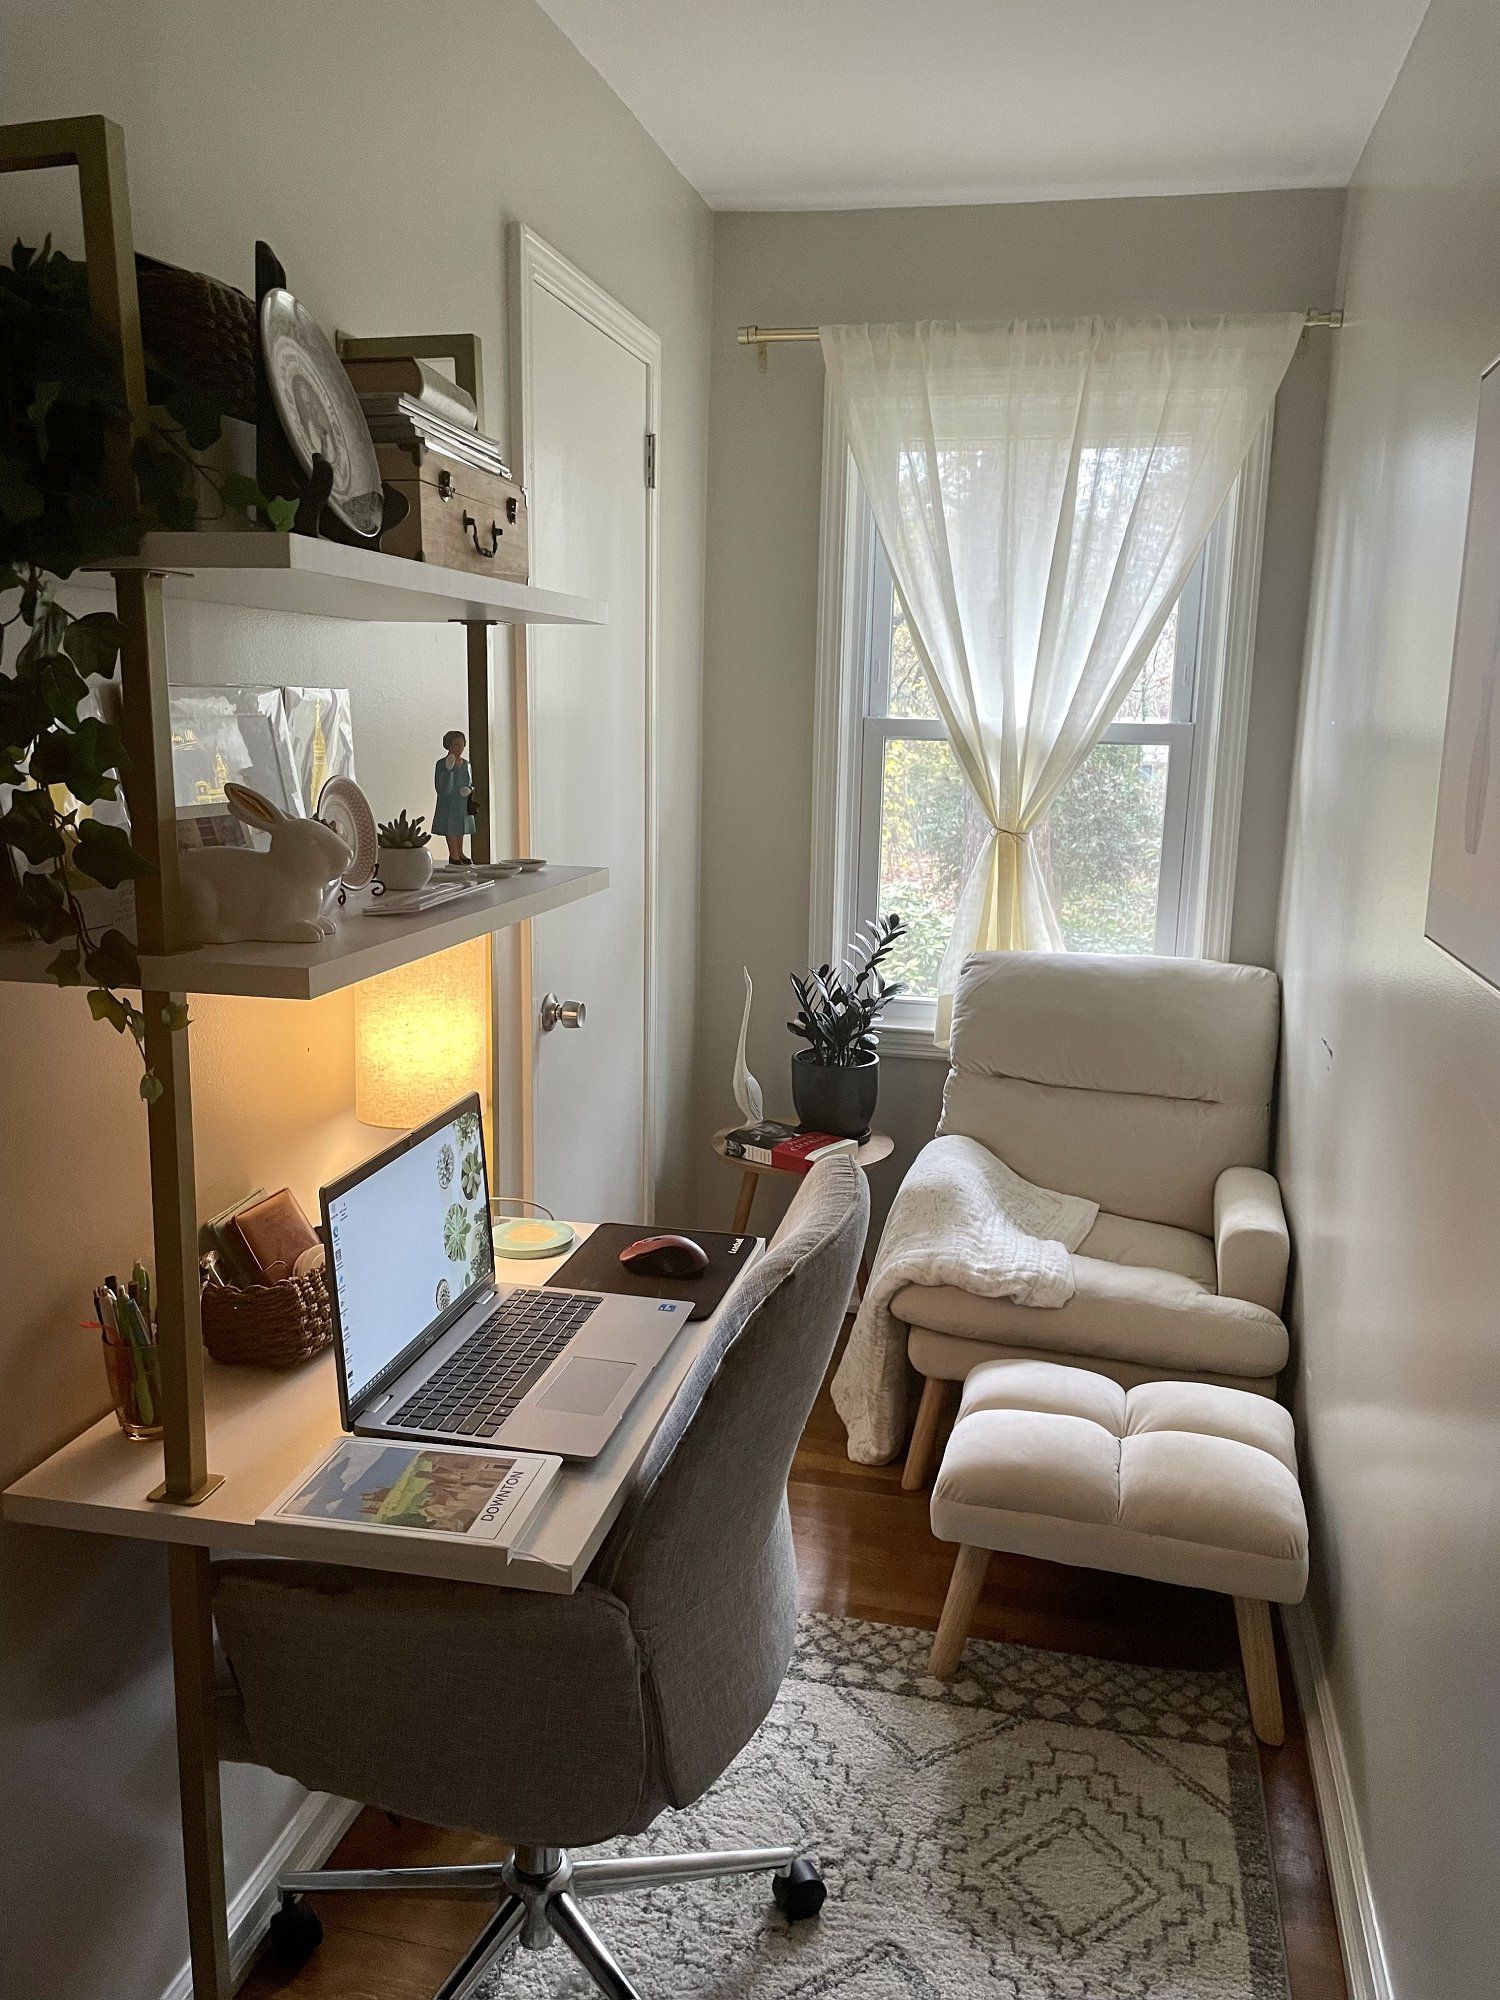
<point>1390,1139</point>
<point>382,148</point>
<point>1255,252</point>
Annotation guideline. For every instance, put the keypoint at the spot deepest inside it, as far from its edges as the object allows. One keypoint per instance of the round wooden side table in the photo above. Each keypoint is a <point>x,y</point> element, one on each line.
<point>879,1146</point>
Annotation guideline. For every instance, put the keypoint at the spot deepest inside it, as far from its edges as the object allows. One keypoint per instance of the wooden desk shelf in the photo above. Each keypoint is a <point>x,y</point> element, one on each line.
<point>270,572</point>
<point>265,1425</point>
<point>362,947</point>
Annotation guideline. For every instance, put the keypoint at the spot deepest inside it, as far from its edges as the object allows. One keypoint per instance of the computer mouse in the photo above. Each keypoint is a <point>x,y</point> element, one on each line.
<point>664,1257</point>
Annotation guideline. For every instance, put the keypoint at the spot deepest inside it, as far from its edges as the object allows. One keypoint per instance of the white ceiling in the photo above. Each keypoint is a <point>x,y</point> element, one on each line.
<point>878,103</point>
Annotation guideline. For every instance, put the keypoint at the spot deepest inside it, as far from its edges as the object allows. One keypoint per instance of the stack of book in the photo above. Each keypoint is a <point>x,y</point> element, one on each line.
<point>412,404</point>
<point>770,1144</point>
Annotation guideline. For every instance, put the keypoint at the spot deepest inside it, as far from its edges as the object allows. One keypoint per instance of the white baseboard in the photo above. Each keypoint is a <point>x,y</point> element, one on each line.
<point>1348,1874</point>
<point>306,1841</point>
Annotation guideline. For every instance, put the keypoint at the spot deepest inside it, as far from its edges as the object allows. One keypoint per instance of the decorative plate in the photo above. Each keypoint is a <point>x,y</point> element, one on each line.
<point>345,808</point>
<point>319,409</point>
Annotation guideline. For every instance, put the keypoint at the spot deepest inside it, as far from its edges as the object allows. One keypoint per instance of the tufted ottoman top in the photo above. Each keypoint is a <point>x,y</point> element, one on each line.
<point>1180,1481</point>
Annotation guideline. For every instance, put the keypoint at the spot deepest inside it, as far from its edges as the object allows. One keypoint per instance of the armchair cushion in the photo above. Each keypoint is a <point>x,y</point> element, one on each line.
<point>1144,1294</point>
<point>1250,1237</point>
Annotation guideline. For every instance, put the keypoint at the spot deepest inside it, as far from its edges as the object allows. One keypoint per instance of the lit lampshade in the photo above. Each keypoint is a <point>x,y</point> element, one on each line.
<point>421,1036</point>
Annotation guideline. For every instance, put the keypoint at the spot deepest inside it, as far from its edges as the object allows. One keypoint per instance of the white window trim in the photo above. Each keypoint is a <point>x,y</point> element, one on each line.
<point>1225,668</point>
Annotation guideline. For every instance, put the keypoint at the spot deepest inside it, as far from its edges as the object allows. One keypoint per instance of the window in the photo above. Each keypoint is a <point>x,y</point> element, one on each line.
<point>1138,847</point>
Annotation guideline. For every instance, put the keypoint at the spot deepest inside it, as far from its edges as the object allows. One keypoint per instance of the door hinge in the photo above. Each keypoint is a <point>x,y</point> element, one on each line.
<point>651,461</point>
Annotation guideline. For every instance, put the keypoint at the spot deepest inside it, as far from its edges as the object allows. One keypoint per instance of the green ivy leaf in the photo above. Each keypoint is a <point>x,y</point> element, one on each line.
<point>281,514</point>
<point>96,755</point>
<point>174,1017</point>
<point>151,1086</point>
<point>199,413</point>
<point>113,960</point>
<point>51,755</point>
<point>44,908</point>
<point>62,687</point>
<point>109,1007</point>
<point>105,854</point>
<point>93,643</point>
<point>67,968</point>
<point>31,826</point>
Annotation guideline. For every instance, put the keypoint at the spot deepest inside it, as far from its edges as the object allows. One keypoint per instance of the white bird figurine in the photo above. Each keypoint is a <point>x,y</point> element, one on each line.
<point>746,1090</point>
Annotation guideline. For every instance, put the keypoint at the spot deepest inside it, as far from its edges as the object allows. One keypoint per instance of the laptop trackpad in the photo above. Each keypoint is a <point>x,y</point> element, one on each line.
<point>586,1387</point>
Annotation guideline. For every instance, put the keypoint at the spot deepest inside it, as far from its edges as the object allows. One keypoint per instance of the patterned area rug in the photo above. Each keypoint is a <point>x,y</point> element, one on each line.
<point>1042,1827</point>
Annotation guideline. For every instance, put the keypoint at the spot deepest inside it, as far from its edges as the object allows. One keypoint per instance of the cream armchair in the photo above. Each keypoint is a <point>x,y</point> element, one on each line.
<point>1144,1084</point>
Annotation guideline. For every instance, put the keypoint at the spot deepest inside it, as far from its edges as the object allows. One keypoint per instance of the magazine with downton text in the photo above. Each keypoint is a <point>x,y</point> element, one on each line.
<point>456,1492</point>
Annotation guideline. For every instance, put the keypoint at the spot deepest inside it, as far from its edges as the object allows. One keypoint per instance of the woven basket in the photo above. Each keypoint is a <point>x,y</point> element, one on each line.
<point>268,1326</point>
<point>202,331</point>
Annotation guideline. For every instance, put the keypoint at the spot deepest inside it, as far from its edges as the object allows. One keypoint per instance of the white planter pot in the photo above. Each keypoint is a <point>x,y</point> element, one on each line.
<point>405,868</point>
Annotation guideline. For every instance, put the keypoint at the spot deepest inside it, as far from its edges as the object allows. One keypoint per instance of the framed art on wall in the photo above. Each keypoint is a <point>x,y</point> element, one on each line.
<point>1463,895</point>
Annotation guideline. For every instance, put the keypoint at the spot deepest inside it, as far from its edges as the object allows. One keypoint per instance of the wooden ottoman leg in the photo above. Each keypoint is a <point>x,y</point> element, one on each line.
<point>924,1434</point>
<point>958,1610</point>
<point>1262,1683</point>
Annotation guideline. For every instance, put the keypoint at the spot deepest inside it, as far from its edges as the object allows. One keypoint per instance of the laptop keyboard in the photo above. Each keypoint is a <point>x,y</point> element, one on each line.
<point>479,1385</point>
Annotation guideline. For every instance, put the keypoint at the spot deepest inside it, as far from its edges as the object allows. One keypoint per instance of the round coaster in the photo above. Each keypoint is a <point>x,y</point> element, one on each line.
<point>532,1239</point>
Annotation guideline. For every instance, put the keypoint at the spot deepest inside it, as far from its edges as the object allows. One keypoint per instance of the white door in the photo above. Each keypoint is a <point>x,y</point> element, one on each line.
<point>588,388</point>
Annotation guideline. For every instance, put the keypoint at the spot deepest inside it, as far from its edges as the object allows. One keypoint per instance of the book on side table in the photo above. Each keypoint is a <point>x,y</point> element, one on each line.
<point>784,1147</point>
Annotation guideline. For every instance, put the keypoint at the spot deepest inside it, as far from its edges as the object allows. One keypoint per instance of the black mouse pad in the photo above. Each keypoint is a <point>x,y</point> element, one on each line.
<point>595,1265</point>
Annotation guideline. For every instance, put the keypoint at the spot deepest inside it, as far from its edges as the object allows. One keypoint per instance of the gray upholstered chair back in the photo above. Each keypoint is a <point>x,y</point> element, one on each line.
<point>702,1554</point>
<point>552,1720</point>
<point>1134,1081</point>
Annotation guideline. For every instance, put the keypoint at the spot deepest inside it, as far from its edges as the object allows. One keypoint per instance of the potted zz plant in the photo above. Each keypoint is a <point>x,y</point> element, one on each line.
<point>836,1078</point>
<point>404,860</point>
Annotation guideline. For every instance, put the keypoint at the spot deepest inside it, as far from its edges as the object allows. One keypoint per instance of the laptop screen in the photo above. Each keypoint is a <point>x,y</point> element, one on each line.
<point>407,1242</point>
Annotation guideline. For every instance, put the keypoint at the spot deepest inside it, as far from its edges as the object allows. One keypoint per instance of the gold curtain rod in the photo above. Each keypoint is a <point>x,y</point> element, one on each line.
<point>761,336</point>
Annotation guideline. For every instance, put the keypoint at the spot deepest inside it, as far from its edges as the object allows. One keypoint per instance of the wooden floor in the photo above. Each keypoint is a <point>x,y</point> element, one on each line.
<point>864,1549</point>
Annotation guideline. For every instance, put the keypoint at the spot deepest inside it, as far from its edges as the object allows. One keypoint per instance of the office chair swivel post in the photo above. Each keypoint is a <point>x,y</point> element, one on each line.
<point>539,1890</point>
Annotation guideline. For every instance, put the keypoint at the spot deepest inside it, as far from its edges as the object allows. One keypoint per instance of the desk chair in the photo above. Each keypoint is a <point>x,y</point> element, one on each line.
<point>559,1722</point>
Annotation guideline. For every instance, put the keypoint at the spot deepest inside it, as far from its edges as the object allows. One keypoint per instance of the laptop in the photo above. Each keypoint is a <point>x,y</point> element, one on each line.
<point>428,1346</point>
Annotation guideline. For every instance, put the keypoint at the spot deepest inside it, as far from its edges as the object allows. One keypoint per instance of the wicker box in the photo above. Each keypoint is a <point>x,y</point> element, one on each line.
<point>461,517</point>
<point>268,1326</point>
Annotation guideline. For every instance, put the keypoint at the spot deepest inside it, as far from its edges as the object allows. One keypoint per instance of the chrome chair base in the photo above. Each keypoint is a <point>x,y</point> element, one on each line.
<point>539,1891</point>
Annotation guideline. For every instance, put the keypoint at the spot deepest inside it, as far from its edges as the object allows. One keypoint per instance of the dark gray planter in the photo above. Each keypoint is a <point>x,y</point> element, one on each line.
<point>838,1101</point>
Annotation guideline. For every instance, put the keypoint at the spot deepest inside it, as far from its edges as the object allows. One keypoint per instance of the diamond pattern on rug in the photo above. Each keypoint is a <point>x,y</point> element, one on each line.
<point>1042,1827</point>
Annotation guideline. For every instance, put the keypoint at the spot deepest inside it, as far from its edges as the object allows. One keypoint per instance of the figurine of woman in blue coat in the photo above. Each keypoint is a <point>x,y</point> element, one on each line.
<point>454,787</point>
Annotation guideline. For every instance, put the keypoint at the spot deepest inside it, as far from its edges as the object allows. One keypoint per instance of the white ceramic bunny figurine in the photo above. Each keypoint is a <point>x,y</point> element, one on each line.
<point>231,895</point>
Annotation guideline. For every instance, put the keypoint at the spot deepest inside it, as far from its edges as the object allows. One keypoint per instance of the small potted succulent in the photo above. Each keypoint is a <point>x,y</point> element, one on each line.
<point>404,860</point>
<point>836,1078</point>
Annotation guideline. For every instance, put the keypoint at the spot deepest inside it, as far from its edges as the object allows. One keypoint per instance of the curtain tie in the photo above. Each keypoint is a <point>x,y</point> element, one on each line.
<point>1015,833</point>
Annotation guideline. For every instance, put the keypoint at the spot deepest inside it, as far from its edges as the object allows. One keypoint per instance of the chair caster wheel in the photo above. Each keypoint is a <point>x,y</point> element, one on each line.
<point>800,1891</point>
<point>294,1933</point>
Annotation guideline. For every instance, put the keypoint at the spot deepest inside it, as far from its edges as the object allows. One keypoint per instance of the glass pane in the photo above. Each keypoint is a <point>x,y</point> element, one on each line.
<point>1101,848</point>
<point>1150,700</point>
<point>930,833</point>
<point>910,695</point>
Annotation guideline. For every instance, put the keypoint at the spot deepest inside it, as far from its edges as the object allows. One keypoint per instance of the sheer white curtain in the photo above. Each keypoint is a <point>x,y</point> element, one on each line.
<point>1042,490</point>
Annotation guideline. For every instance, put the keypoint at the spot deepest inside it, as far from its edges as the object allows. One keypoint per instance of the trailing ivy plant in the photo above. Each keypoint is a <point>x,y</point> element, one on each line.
<point>62,411</point>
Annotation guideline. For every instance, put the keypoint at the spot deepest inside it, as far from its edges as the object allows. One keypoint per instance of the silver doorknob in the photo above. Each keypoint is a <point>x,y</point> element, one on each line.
<point>562,1013</point>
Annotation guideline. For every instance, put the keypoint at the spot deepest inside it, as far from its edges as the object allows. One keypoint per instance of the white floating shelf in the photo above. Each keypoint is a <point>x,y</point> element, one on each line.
<point>270,572</point>
<point>362,947</point>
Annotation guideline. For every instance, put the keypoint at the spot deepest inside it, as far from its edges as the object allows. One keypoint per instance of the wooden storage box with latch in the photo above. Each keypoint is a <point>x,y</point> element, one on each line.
<point>461,516</point>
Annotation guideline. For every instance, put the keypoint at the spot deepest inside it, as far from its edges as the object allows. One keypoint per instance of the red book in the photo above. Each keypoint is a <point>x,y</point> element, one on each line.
<point>803,1150</point>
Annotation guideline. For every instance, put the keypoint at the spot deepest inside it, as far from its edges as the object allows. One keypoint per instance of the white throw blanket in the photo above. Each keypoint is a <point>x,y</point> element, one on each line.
<point>961,1218</point>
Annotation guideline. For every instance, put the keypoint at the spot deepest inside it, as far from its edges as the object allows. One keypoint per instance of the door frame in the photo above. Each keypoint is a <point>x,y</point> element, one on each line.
<point>534,264</point>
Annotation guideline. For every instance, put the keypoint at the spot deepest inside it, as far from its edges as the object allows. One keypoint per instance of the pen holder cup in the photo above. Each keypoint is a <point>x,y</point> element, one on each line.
<point>134,1375</point>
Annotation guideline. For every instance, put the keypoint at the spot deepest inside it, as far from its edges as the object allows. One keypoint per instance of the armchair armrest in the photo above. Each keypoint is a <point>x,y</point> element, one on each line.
<point>1251,1245</point>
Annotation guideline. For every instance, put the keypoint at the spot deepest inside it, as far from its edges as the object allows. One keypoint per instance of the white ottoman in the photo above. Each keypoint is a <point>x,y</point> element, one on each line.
<point>1180,1481</point>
